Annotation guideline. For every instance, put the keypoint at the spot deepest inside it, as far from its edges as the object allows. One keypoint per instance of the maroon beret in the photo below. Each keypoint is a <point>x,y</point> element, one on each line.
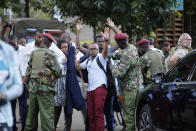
<point>143,42</point>
<point>166,43</point>
<point>120,36</point>
<point>49,36</point>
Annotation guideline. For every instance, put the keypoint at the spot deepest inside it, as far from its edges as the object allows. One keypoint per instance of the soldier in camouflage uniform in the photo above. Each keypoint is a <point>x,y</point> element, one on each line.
<point>129,72</point>
<point>43,69</point>
<point>152,61</point>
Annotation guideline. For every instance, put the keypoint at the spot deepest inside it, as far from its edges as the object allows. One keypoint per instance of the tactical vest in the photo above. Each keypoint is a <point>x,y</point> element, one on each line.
<point>157,62</point>
<point>38,62</point>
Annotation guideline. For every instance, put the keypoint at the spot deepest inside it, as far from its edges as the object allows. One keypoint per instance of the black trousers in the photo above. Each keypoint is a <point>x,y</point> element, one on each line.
<point>23,109</point>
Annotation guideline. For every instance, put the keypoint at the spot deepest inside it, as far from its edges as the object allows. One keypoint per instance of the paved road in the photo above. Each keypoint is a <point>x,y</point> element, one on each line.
<point>77,123</point>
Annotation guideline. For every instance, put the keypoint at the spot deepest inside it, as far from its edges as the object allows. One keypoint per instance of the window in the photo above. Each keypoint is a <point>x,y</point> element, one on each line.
<point>181,70</point>
<point>194,75</point>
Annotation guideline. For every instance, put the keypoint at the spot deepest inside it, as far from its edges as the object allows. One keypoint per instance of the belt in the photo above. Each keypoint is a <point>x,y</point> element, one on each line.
<point>41,92</point>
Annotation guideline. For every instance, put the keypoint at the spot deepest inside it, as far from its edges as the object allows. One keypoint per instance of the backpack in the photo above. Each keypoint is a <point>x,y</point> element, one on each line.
<point>117,105</point>
<point>109,77</point>
<point>85,73</point>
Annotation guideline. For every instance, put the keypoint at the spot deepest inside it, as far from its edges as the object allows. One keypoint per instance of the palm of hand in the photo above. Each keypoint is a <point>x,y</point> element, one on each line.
<point>106,33</point>
<point>110,22</point>
<point>79,25</point>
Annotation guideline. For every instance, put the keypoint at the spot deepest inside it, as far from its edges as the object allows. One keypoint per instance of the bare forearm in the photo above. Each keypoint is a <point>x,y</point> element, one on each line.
<point>82,49</point>
<point>114,30</point>
<point>174,59</point>
<point>105,50</point>
<point>78,66</point>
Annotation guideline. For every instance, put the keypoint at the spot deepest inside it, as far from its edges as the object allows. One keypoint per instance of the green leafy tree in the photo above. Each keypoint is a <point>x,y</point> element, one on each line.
<point>133,16</point>
<point>46,6</point>
<point>13,4</point>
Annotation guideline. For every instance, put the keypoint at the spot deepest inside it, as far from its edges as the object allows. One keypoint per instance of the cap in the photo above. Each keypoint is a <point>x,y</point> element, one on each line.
<point>162,40</point>
<point>143,42</point>
<point>49,36</point>
<point>166,43</point>
<point>120,36</point>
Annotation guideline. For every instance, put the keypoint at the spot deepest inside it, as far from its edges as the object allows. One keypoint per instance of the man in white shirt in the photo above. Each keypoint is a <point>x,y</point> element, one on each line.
<point>23,98</point>
<point>25,54</point>
<point>22,42</point>
<point>97,83</point>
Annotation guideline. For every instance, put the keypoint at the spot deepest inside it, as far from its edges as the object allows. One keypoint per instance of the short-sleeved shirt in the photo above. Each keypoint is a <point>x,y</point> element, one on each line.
<point>96,76</point>
<point>180,53</point>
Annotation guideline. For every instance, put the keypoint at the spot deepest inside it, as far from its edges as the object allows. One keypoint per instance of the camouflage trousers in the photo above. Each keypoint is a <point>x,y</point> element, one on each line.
<point>44,104</point>
<point>129,106</point>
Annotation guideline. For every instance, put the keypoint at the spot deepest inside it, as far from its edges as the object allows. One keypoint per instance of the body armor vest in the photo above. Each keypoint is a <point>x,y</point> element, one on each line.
<point>38,62</point>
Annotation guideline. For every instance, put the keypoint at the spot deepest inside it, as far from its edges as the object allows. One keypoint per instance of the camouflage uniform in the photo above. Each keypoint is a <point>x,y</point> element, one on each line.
<point>129,72</point>
<point>152,62</point>
<point>41,88</point>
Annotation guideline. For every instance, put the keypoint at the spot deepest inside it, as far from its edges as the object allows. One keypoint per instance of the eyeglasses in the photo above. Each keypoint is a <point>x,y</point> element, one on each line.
<point>100,41</point>
<point>92,48</point>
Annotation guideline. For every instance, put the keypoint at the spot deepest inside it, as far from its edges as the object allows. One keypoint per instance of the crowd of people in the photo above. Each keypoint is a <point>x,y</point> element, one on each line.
<point>48,75</point>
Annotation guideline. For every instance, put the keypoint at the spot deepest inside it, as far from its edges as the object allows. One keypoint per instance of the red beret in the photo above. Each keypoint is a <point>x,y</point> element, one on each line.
<point>166,43</point>
<point>143,42</point>
<point>49,36</point>
<point>120,36</point>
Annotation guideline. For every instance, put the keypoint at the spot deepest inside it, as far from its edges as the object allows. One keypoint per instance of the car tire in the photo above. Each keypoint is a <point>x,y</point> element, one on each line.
<point>145,120</point>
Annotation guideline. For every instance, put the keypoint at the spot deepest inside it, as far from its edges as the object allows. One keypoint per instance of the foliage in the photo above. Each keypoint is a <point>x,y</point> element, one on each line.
<point>13,4</point>
<point>88,42</point>
<point>112,43</point>
<point>38,6</point>
<point>133,16</point>
<point>39,14</point>
<point>47,6</point>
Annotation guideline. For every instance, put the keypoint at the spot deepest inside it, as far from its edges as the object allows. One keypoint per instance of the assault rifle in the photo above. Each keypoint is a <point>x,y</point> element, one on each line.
<point>118,100</point>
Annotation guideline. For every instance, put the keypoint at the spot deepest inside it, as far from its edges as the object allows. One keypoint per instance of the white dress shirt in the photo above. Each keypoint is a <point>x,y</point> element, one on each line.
<point>25,55</point>
<point>19,52</point>
<point>96,76</point>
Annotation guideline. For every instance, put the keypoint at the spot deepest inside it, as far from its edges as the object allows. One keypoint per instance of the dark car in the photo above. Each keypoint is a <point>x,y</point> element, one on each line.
<point>170,102</point>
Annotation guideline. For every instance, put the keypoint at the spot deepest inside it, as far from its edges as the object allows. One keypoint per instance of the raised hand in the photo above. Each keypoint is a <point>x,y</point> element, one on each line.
<point>106,34</point>
<point>79,25</point>
<point>110,23</point>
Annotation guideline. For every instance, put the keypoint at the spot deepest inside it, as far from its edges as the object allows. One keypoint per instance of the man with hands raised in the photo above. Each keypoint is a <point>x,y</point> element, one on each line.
<point>97,83</point>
